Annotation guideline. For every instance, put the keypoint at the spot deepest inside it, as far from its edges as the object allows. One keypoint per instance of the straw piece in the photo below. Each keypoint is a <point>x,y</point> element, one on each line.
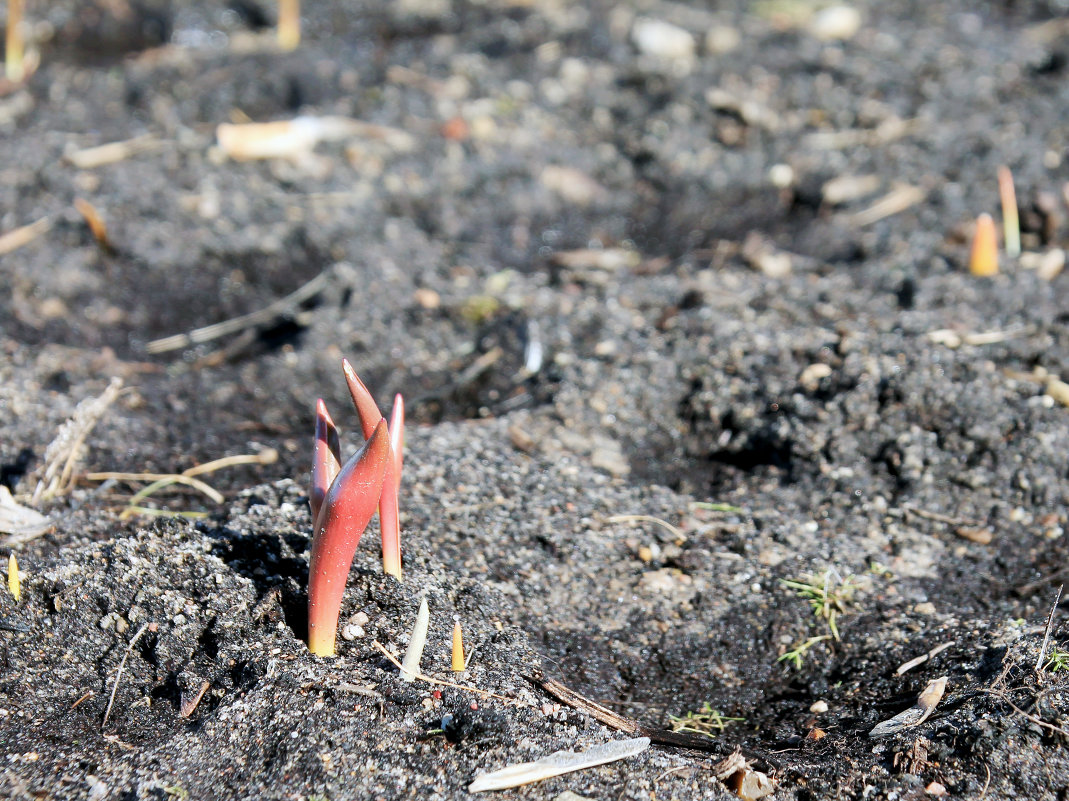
<point>557,763</point>
<point>13,582</point>
<point>983,258</point>
<point>15,239</point>
<point>458,648</point>
<point>410,664</point>
<point>1011,225</point>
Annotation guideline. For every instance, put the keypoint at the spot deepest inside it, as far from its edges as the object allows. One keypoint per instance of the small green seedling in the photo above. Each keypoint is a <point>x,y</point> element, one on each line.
<point>829,595</point>
<point>710,506</point>
<point>707,721</point>
<point>797,654</point>
<point>1059,660</point>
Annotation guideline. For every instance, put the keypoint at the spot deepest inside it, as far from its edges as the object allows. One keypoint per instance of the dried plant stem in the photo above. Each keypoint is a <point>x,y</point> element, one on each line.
<point>410,665</point>
<point>13,240</point>
<point>118,673</point>
<point>14,68</point>
<point>289,24</point>
<point>1011,225</point>
<point>266,456</point>
<point>62,454</point>
<point>443,683</point>
<point>1047,629</point>
<point>675,532</point>
<point>280,308</point>
<point>159,480</point>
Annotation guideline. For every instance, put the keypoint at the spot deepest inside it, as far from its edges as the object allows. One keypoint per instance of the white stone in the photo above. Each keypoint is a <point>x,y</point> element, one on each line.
<point>655,37</point>
<point>835,23</point>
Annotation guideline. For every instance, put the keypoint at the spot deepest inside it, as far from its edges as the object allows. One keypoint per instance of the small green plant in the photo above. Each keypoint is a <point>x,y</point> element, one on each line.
<point>797,654</point>
<point>710,506</point>
<point>706,721</point>
<point>1058,660</point>
<point>829,594</point>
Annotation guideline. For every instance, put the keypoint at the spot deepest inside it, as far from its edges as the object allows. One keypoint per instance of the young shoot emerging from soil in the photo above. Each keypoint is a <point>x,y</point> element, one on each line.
<point>343,499</point>
<point>830,595</point>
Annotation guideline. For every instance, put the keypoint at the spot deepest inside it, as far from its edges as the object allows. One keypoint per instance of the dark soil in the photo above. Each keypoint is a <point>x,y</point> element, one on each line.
<point>875,416</point>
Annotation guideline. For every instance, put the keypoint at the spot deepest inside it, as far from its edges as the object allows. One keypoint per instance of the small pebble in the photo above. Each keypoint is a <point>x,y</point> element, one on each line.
<point>835,23</point>
<point>722,39</point>
<point>781,176</point>
<point>351,631</point>
<point>819,707</point>
<point>926,608</point>
<point>655,37</point>
<point>427,298</point>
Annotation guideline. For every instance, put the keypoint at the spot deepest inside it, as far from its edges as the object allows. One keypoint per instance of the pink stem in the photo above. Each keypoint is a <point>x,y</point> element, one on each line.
<point>389,511</point>
<point>366,408</point>
<point>349,504</point>
<point>326,461</point>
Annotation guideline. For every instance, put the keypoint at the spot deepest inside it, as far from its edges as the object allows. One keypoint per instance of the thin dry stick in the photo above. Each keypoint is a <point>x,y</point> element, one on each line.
<point>1047,629</point>
<point>675,532</point>
<point>190,706</point>
<point>897,200</point>
<point>266,456</point>
<point>1002,696</point>
<point>81,700</point>
<point>987,783</point>
<point>620,722</point>
<point>14,65</point>
<point>429,680</point>
<point>920,660</point>
<point>279,308</point>
<point>112,152</point>
<point>939,518</point>
<point>13,240</point>
<point>118,673</point>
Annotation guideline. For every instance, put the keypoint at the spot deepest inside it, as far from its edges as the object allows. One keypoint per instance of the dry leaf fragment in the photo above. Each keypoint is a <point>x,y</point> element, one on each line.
<point>981,536</point>
<point>97,227</point>
<point>750,785</point>
<point>20,521</point>
<point>557,763</point>
<point>916,714</point>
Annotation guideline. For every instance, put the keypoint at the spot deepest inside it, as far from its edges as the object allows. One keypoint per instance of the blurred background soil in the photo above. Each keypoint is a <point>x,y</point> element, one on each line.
<point>678,298</point>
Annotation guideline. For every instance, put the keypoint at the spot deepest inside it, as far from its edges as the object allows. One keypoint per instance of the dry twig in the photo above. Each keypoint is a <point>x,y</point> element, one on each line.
<point>431,680</point>
<point>118,673</point>
<point>281,308</point>
<point>1047,629</point>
